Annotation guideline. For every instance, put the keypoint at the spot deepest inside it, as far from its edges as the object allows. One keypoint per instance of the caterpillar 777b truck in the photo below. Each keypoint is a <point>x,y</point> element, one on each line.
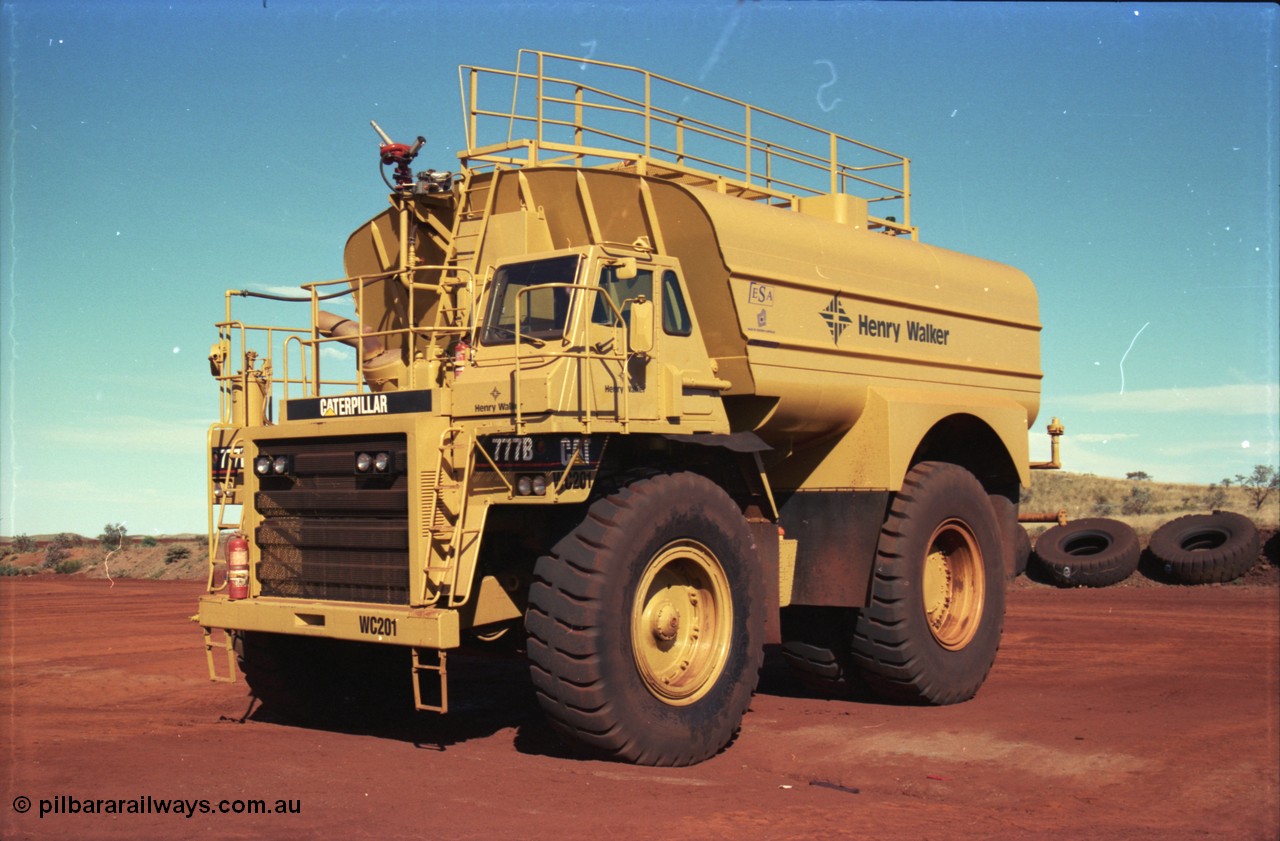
<point>654,379</point>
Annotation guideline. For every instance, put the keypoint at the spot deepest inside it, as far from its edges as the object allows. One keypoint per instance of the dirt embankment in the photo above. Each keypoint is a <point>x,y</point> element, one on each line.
<point>156,559</point>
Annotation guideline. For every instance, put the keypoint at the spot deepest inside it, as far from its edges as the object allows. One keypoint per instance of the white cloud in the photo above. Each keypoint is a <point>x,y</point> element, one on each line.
<point>1100,437</point>
<point>1238,399</point>
<point>338,352</point>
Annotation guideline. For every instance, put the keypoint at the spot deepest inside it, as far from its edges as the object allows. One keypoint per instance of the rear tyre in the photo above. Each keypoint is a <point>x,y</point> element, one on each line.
<point>932,628</point>
<point>1206,548</point>
<point>1021,551</point>
<point>1094,552</point>
<point>276,668</point>
<point>307,680</point>
<point>815,644</point>
<point>1017,546</point>
<point>646,624</point>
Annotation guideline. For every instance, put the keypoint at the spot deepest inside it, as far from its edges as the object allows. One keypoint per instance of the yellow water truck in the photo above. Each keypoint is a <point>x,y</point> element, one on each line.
<point>634,392</point>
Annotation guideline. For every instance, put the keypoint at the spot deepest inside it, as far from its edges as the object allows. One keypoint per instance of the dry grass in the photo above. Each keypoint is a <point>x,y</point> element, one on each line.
<point>1145,505</point>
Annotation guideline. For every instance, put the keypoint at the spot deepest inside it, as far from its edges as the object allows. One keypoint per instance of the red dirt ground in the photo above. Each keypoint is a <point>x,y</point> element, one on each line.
<point>1124,713</point>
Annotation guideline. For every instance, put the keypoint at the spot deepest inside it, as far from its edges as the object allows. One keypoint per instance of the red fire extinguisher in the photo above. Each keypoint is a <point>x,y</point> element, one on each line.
<point>238,567</point>
<point>461,352</point>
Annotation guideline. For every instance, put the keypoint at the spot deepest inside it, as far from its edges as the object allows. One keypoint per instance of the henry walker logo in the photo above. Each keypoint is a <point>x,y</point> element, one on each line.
<point>836,317</point>
<point>355,404</point>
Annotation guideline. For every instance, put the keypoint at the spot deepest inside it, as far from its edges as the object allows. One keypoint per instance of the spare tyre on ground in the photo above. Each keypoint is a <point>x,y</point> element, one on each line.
<point>1205,548</point>
<point>1094,552</point>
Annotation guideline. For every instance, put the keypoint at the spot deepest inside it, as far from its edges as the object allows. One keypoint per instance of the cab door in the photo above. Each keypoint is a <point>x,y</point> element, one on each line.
<point>620,367</point>
<point>641,310</point>
<point>690,388</point>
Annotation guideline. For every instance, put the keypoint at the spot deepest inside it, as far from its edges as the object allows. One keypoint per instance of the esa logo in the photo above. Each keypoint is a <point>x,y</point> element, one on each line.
<point>760,293</point>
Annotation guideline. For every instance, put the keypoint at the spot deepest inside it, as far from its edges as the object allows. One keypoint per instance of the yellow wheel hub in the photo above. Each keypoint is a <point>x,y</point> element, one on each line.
<point>954,585</point>
<point>681,622</point>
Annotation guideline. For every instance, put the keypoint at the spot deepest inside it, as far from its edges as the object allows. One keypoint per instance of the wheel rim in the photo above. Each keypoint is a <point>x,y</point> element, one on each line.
<point>954,585</point>
<point>681,622</point>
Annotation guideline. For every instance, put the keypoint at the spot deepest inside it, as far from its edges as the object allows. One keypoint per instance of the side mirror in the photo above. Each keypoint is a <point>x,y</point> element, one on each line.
<point>625,269</point>
<point>640,328</point>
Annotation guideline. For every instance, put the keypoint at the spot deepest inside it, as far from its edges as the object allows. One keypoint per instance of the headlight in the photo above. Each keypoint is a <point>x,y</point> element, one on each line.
<point>269,465</point>
<point>535,485</point>
<point>379,462</point>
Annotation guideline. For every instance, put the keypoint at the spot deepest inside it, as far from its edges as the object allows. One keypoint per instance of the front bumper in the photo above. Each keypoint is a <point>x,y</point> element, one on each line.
<point>422,627</point>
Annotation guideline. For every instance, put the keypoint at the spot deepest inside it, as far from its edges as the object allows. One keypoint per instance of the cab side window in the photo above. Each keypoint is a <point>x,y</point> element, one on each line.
<point>675,316</point>
<point>622,293</point>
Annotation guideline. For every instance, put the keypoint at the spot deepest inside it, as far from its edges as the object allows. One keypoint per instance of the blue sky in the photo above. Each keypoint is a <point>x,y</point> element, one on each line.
<point>155,154</point>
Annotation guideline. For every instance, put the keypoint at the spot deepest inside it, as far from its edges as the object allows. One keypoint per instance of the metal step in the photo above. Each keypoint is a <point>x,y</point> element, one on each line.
<point>442,677</point>
<point>226,642</point>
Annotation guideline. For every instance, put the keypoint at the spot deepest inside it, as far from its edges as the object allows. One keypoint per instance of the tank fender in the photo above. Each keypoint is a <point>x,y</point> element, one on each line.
<point>888,434</point>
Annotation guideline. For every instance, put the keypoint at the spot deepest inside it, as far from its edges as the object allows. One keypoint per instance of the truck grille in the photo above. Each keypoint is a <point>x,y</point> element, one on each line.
<point>330,533</point>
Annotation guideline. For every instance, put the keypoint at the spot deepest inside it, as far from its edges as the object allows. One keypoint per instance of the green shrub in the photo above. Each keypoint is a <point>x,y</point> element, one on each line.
<point>24,544</point>
<point>1215,498</point>
<point>1259,485</point>
<point>9,569</point>
<point>67,567</point>
<point>113,536</point>
<point>176,553</point>
<point>148,541</point>
<point>1138,500</point>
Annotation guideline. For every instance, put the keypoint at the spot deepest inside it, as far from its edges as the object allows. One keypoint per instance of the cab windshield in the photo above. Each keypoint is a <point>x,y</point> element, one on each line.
<point>542,311</point>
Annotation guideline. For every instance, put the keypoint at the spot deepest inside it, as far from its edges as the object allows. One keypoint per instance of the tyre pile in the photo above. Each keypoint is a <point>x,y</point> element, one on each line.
<point>1194,549</point>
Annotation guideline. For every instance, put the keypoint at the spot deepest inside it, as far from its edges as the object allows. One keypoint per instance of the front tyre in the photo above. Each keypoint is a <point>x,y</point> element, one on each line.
<point>933,625</point>
<point>646,623</point>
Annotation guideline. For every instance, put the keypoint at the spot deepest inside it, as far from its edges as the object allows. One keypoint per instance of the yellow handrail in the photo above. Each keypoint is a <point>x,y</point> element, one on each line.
<point>772,156</point>
<point>291,356</point>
